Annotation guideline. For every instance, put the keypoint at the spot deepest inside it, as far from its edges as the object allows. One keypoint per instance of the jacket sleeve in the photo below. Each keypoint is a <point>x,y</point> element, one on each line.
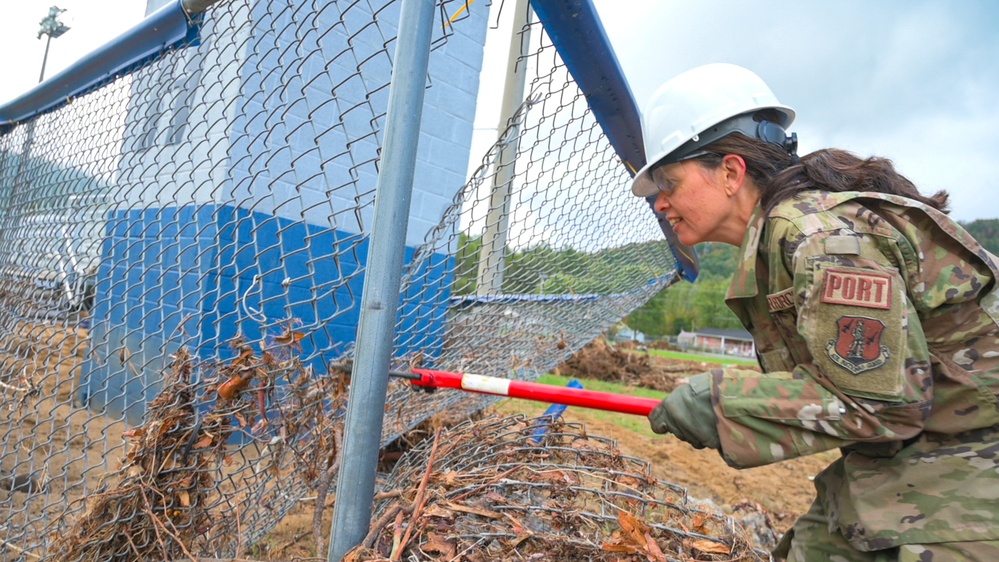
<point>859,371</point>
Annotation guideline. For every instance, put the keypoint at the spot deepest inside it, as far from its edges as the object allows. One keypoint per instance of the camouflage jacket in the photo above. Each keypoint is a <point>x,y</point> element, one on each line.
<point>876,320</point>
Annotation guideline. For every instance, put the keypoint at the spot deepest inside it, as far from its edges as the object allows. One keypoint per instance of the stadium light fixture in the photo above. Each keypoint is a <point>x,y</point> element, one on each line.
<point>52,27</point>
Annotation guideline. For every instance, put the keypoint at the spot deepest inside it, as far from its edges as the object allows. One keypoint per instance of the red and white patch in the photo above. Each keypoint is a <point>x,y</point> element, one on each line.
<point>857,347</point>
<point>853,288</point>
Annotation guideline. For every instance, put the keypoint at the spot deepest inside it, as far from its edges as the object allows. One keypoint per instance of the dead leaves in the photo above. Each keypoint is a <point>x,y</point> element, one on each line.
<point>438,544</point>
<point>635,537</point>
<point>707,547</point>
<point>494,493</point>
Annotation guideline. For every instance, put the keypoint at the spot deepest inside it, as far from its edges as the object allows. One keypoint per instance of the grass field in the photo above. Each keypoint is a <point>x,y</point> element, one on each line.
<point>636,424</point>
<point>679,355</point>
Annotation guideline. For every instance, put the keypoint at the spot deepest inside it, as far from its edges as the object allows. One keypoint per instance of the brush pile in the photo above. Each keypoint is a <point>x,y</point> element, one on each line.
<point>529,489</point>
<point>221,445</point>
<point>159,500</point>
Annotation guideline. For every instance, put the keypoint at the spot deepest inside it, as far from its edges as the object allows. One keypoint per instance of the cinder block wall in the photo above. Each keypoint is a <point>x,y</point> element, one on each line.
<point>251,182</point>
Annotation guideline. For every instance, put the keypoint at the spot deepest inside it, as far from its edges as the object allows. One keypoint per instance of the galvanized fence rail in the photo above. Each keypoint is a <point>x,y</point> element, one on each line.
<point>183,247</point>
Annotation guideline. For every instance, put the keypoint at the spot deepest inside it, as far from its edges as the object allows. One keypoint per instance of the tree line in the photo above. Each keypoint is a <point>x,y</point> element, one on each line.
<point>682,306</point>
<point>543,270</point>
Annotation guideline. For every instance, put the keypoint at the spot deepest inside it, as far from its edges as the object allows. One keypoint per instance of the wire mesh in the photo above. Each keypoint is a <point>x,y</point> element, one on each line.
<point>182,254</point>
<point>521,488</point>
<point>578,251</point>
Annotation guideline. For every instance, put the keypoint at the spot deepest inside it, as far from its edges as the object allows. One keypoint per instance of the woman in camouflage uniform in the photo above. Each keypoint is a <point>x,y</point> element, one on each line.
<point>875,316</point>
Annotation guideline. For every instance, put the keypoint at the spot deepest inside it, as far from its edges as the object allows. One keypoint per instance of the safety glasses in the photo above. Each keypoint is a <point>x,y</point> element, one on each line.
<point>664,184</point>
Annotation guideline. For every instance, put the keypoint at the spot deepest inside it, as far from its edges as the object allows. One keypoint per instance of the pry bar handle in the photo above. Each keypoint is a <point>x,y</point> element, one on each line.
<point>470,382</point>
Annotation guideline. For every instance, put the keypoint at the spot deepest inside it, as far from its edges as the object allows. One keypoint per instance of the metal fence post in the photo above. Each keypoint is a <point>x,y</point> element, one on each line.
<point>379,301</point>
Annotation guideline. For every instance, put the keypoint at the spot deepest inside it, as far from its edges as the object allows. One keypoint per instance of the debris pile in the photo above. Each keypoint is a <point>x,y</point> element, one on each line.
<point>598,360</point>
<point>529,489</point>
<point>162,490</point>
<point>219,442</point>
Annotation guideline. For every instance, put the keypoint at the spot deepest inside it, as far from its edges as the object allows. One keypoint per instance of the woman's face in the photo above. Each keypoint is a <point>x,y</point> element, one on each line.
<point>698,201</point>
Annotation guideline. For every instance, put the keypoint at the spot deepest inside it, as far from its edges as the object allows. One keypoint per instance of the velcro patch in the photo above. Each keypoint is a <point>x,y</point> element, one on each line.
<point>857,347</point>
<point>854,288</point>
<point>781,301</point>
<point>843,245</point>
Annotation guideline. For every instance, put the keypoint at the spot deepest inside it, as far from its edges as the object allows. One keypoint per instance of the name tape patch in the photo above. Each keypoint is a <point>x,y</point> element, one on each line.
<point>853,288</point>
<point>781,301</point>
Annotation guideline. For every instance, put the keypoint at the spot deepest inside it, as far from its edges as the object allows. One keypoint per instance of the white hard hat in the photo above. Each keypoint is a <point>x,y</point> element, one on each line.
<point>682,111</point>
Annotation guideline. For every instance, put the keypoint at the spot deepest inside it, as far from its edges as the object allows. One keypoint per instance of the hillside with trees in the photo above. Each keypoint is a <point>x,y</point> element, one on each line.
<point>986,231</point>
<point>542,269</point>
<point>692,306</point>
<point>682,306</point>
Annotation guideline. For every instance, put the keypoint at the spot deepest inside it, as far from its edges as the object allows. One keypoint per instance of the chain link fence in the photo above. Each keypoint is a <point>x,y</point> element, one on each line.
<point>182,254</point>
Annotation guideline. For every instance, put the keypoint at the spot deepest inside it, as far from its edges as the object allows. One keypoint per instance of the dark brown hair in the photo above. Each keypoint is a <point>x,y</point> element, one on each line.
<point>780,175</point>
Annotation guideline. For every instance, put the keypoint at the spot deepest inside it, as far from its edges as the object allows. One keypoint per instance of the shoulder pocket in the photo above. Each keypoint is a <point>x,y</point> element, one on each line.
<point>854,321</point>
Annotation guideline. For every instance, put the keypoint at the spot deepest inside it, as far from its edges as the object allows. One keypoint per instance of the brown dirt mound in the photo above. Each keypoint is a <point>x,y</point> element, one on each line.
<point>599,360</point>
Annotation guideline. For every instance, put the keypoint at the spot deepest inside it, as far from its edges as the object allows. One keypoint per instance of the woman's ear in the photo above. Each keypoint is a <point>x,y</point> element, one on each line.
<point>733,170</point>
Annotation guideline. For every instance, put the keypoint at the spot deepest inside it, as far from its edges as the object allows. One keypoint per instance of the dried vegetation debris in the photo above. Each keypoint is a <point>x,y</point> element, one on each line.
<point>623,363</point>
<point>183,485</point>
<point>162,489</point>
<point>527,489</point>
<point>600,360</point>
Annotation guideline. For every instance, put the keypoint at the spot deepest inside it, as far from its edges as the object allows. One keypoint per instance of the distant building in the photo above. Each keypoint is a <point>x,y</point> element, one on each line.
<point>628,334</point>
<point>728,342</point>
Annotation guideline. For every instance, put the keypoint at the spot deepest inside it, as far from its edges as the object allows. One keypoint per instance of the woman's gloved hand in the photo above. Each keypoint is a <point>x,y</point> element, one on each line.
<point>688,414</point>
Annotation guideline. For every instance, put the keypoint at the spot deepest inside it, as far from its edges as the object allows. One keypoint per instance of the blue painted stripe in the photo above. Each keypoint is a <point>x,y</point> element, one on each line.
<point>178,276</point>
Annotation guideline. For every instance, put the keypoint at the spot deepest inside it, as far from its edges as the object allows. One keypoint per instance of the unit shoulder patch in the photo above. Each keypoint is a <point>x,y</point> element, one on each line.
<point>868,289</point>
<point>857,347</point>
<point>855,323</point>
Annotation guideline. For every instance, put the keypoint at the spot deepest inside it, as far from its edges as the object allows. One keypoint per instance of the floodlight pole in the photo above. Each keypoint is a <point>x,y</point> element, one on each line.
<point>51,27</point>
<point>382,278</point>
<point>41,75</point>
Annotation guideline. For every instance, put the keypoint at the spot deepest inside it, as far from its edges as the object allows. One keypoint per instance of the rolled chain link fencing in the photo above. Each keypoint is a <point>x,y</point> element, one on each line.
<point>182,254</point>
<point>529,489</point>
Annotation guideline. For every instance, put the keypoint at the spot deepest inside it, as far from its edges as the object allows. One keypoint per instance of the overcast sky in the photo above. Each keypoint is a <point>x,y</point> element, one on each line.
<point>915,81</point>
<point>92,23</point>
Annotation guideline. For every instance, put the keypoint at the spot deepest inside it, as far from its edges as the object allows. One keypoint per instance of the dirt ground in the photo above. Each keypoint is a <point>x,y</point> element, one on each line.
<point>784,490</point>
<point>780,492</point>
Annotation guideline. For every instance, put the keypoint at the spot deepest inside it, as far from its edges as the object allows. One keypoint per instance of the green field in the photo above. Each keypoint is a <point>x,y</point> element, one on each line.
<point>705,358</point>
<point>636,424</point>
<point>602,386</point>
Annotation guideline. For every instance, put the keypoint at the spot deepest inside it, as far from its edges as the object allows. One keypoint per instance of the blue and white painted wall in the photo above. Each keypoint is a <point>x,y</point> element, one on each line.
<point>247,182</point>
